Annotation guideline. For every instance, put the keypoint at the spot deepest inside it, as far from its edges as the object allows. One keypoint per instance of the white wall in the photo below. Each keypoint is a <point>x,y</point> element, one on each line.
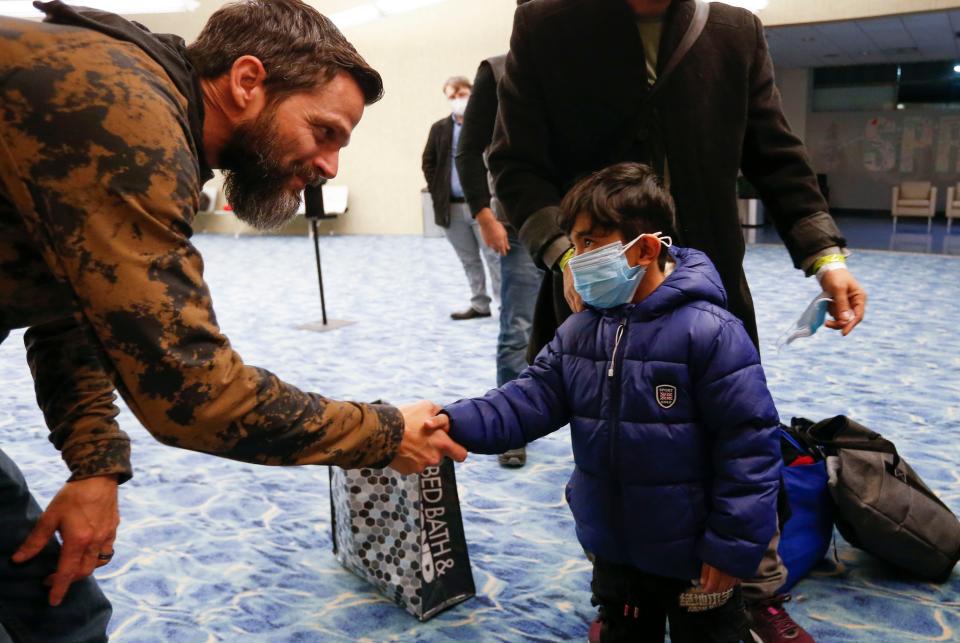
<point>794,87</point>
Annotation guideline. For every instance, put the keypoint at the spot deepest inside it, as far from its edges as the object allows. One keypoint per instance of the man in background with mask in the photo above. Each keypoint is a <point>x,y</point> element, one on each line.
<point>108,133</point>
<point>450,209</point>
<point>591,83</point>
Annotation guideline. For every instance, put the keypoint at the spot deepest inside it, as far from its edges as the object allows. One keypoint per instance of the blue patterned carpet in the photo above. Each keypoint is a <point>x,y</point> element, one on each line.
<point>213,550</point>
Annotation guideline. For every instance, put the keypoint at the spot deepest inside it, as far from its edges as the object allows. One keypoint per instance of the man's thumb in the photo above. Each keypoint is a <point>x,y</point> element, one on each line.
<point>36,541</point>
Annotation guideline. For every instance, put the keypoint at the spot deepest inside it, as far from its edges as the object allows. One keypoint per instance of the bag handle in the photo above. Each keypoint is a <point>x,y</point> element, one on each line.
<point>835,425</point>
<point>701,12</point>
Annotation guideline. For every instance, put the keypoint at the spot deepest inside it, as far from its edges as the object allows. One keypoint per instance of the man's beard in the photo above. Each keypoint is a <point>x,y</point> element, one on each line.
<point>256,180</point>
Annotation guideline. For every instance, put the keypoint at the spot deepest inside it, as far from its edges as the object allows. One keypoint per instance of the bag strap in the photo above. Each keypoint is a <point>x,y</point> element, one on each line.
<point>701,12</point>
<point>333,514</point>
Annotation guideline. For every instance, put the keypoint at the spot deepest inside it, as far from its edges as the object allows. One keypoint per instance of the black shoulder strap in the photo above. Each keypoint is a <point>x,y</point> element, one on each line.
<point>701,12</point>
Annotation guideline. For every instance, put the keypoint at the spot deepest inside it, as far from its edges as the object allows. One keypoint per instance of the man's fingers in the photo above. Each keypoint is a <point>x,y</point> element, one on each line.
<point>89,562</point>
<point>858,301</point>
<point>841,307</point>
<point>38,538</point>
<point>71,557</point>
<point>106,547</point>
<point>449,448</point>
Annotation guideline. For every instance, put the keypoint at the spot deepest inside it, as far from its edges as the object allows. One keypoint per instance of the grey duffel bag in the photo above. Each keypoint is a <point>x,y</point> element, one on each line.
<point>882,505</point>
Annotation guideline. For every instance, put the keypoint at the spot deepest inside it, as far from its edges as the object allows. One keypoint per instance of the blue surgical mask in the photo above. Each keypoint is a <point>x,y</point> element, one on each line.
<point>603,278</point>
<point>810,321</point>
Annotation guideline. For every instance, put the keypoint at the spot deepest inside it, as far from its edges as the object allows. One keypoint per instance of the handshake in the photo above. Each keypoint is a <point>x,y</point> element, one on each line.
<point>425,441</point>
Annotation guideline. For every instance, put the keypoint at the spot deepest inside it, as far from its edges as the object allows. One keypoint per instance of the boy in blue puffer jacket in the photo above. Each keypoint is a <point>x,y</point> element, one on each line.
<point>674,432</point>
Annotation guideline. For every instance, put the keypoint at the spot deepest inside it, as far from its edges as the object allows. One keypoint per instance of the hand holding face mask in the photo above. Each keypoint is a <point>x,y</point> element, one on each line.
<point>809,322</point>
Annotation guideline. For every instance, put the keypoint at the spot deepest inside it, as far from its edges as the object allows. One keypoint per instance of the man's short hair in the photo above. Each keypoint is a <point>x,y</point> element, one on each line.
<point>628,198</point>
<point>299,47</point>
<point>457,82</point>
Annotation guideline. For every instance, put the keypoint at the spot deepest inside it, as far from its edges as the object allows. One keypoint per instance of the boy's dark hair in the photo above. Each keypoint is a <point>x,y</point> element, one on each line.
<point>300,48</point>
<point>628,198</point>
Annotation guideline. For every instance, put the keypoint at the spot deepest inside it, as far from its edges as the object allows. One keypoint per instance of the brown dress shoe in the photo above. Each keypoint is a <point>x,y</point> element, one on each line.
<point>469,313</point>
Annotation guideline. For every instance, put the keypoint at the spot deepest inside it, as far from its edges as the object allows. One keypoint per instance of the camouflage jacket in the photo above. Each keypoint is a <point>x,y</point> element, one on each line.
<point>99,181</point>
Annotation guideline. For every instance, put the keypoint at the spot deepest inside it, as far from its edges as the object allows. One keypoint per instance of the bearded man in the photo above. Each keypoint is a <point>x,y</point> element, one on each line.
<point>107,134</point>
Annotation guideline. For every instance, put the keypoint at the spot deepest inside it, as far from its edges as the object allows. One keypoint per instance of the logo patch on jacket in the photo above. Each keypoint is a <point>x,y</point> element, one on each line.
<point>666,395</point>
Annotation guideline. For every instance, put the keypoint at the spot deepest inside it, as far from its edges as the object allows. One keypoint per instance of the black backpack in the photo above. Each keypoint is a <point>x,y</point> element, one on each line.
<point>882,505</point>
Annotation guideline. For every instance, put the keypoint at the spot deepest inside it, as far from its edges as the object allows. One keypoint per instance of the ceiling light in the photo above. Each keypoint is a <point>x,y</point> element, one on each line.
<point>752,5</point>
<point>900,106</point>
<point>956,69</point>
<point>25,8</point>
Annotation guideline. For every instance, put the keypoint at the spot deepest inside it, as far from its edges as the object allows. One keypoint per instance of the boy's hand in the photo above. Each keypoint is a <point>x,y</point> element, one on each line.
<point>441,422</point>
<point>712,580</point>
<point>423,446</point>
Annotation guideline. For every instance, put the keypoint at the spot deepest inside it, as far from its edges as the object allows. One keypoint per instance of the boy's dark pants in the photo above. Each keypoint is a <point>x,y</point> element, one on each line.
<point>650,600</point>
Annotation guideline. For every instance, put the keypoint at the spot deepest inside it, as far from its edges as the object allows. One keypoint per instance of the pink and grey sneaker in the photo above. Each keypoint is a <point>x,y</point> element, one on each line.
<point>770,623</point>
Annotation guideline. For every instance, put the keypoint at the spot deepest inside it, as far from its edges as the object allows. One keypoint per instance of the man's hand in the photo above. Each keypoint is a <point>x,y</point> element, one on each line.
<point>574,300</point>
<point>423,446</point>
<point>86,515</point>
<point>849,300</point>
<point>712,580</point>
<point>493,232</point>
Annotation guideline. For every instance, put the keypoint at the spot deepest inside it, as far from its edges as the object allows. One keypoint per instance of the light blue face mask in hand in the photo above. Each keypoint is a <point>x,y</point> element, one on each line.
<point>810,321</point>
<point>603,278</point>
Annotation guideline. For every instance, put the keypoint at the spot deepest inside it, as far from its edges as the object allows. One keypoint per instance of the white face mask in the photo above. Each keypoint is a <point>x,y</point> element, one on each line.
<point>459,105</point>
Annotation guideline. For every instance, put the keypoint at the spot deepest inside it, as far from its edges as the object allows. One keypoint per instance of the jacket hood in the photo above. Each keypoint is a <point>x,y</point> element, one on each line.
<point>694,278</point>
<point>167,50</point>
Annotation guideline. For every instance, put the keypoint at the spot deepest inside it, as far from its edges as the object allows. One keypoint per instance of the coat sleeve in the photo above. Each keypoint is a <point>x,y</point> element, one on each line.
<point>475,137</point>
<point>111,213</point>
<point>737,409</point>
<point>524,173</point>
<point>775,161</point>
<point>429,160</point>
<point>77,398</point>
<point>518,412</point>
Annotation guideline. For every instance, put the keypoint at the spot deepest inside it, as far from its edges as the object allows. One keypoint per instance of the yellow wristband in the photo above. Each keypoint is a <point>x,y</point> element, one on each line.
<point>825,259</point>
<point>565,257</point>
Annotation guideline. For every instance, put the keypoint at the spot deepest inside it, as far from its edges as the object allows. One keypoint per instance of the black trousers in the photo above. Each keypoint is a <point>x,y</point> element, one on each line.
<point>635,606</point>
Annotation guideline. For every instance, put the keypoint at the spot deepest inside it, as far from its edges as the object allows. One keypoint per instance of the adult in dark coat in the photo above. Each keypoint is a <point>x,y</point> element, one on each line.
<point>450,209</point>
<point>576,97</point>
<point>436,164</point>
<point>573,100</point>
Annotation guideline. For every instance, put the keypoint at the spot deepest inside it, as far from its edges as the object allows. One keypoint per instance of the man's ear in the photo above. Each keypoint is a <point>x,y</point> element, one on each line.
<point>247,76</point>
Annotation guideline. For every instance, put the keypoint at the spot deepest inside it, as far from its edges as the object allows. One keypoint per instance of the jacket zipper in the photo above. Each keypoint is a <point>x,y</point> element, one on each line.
<point>615,397</point>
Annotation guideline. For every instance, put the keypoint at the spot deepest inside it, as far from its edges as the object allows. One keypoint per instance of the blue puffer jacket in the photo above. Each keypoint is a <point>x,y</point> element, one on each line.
<point>674,431</point>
